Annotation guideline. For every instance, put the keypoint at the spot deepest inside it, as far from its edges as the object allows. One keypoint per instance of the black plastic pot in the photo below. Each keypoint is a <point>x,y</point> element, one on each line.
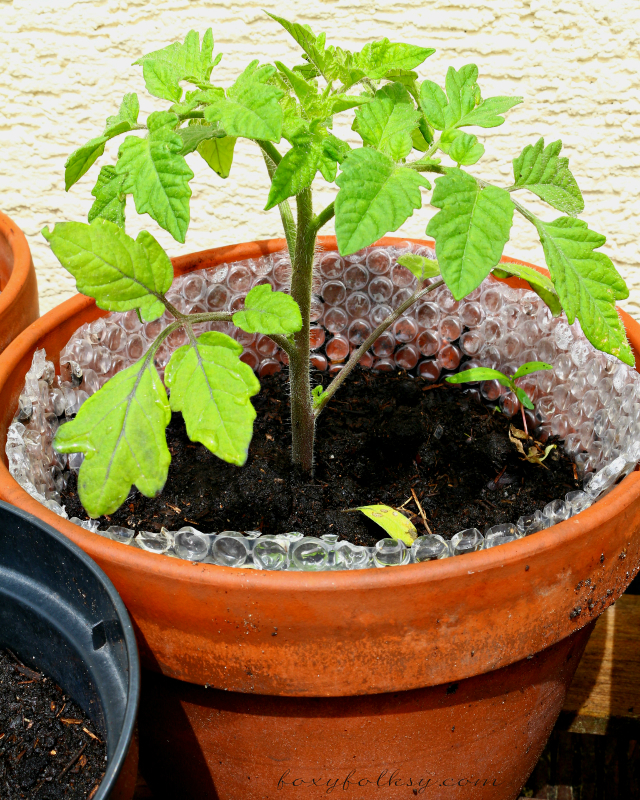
<point>60,612</point>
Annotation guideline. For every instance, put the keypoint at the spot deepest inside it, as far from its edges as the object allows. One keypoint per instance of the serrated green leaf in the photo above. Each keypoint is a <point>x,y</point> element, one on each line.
<point>479,374</point>
<point>543,172</point>
<point>110,266</point>
<point>251,108</point>
<point>470,231</point>
<point>529,367</point>
<point>487,114</point>
<point>540,284</point>
<point>448,138</point>
<point>296,171</point>
<point>304,89</point>
<point>463,93</point>
<point>393,522</point>
<point>332,63</point>
<point>307,40</point>
<point>190,102</point>
<point>157,175</point>
<point>466,149</point>
<point>126,118</point>
<point>420,266</point>
<point>587,283</point>
<point>193,135</point>
<point>377,59</point>
<point>463,104</point>
<point>121,430</point>
<point>387,122</point>
<point>268,312</point>
<point>212,388</point>
<point>110,199</point>
<point>375,197</point>
<point>218,153</point>
<point>80,161</point>
<point>164,69</point>
<point>345,102</point>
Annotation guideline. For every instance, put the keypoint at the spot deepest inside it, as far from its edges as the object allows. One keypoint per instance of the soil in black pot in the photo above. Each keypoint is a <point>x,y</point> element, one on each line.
<point>381,437</point>
<point>49,749</point>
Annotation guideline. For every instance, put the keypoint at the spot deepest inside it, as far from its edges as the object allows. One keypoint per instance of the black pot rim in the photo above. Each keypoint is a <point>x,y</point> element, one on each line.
<point>117,761</point>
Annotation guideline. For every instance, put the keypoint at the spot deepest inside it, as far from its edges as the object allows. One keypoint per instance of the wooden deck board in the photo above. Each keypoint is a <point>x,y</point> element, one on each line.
<point>604,697</point>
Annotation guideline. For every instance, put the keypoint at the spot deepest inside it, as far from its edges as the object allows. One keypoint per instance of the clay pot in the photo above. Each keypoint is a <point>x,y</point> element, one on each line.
<point>266,684</point>
<point>18,286</point>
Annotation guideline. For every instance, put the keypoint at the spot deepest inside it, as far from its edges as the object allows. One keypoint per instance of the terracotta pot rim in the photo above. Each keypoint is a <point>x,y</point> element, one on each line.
<point>21,262</point>
<point>183,571</point>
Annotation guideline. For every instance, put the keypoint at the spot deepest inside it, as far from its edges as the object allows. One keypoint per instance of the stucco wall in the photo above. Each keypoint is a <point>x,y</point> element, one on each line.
<point>65,64</point>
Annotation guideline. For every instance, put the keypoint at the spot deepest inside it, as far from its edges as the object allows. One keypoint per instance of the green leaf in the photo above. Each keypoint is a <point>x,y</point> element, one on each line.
<point>466,149</point>
<point>540,284</point>
<point>433,102</point>
<point>587,283</point>
<point>331,63</point>
<point>541,170</point>
<point>296,171</point>
<point>127,117</point>
<point>487,114</point>
<point>164,69</point>
<point>375,197</point>
<point>157,175</point>
<point>463,104</point>
<point>218,153</point>
<point>80,161</point>
<point>121,430</point>
<point>344,102</point>
<point>448,138</point>
<point>463,93</point>
<point>387,122</point>
<point>378,59</point>
<point>479,374</point>
<point>251,108</point>
<point>110,266</point>
<point>266,311</point>
<point>212,388</point>
<point>110,199</point>
<point>470,231</point>
<point>523,397</point>
<point>393,522</point>
<point>193,135</point>
<point>305,90</point>
<point>420,266</point>
<point>529,367</point>
<point>419,142</point>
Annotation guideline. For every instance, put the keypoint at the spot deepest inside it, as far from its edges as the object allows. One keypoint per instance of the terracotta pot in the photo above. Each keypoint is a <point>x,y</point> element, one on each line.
<point>453,671</point>
<point>18,286</point>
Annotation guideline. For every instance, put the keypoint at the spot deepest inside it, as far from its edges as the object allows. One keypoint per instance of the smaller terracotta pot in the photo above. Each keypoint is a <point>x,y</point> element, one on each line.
<point>18,286</point>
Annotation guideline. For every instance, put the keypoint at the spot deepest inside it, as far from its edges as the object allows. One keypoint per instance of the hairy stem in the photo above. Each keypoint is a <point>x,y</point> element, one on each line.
<point>340,378</point>
<point>302,416</point>
<point>323,217</point>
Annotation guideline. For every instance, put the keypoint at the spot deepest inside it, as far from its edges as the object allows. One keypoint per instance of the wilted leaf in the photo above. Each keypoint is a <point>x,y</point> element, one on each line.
<point>393,522</point>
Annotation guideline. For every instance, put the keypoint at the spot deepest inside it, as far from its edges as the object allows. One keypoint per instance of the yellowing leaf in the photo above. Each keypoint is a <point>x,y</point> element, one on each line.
<point>393,522</point>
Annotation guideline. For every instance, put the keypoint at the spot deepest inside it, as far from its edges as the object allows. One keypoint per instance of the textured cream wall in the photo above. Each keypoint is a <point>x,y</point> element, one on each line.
<point>65,64</point>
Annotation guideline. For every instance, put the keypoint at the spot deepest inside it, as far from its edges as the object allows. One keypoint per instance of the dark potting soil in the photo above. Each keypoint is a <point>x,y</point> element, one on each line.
<point>49,749</point>
<point>380,437</point>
